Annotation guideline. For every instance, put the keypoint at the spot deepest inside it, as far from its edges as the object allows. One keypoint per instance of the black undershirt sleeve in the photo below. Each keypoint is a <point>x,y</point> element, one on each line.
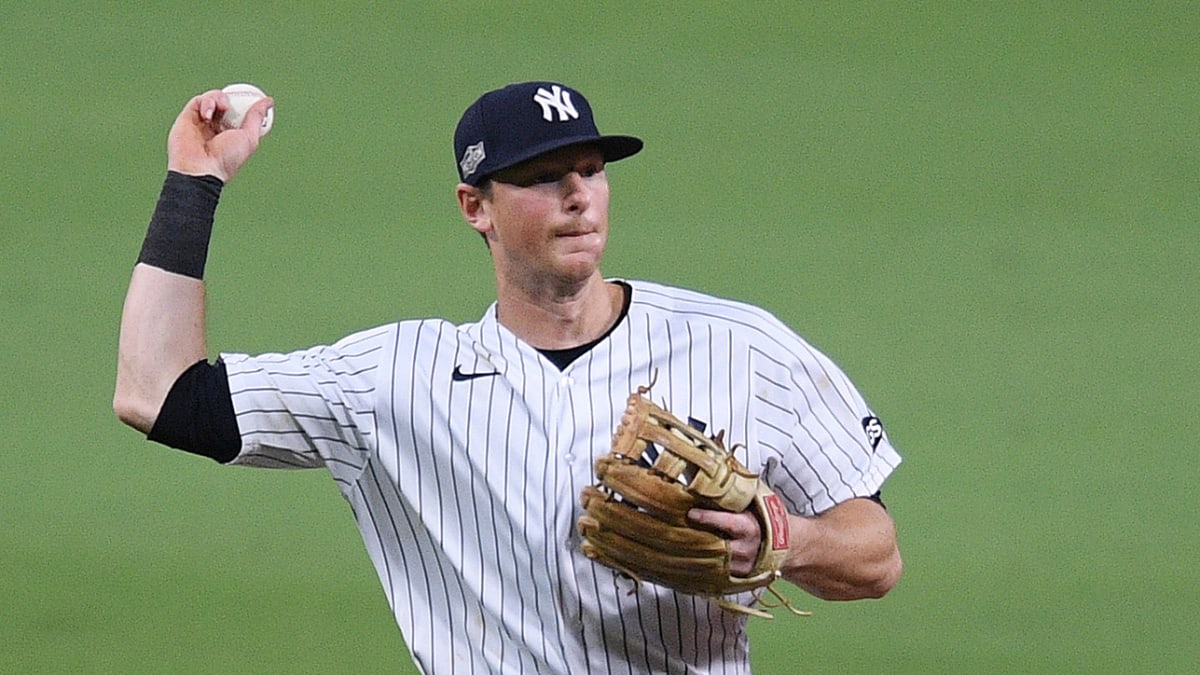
<point>197,415</point>
<point>878,498</point>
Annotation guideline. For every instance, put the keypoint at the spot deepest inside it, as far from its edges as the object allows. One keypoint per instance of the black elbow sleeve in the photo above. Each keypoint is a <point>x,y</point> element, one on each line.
<point>197,415</point>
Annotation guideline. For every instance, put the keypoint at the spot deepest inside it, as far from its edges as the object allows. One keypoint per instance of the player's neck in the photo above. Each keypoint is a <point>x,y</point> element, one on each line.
<point>557,320</point>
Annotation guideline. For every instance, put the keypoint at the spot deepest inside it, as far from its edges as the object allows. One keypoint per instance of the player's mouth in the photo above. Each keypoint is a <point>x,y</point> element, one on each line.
<point>576,230</point>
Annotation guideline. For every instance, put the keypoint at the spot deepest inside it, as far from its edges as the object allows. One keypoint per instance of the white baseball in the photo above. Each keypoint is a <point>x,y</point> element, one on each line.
<point>241,97</point>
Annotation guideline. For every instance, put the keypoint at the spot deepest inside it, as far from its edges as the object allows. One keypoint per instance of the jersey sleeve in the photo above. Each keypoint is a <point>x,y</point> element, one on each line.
<point>821,444</point>
<point>309,408</point>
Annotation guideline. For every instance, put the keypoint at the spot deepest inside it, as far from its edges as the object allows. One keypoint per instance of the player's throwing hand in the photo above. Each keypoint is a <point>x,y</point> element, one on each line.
<point>197,145</point>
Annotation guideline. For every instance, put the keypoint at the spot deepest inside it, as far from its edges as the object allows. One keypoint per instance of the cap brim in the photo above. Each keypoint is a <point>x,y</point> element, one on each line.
<point>612,147</point>
<point>619,147</point>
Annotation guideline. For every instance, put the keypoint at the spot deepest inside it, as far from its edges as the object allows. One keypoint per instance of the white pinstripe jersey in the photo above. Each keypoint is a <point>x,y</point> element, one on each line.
<point>466,491</point>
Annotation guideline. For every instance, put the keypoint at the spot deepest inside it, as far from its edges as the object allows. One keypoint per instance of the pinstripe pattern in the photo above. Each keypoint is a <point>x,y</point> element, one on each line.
<point>466,492</point>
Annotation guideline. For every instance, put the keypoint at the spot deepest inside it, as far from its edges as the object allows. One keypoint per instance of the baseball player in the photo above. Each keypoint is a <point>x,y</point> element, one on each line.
<point>462,450</point>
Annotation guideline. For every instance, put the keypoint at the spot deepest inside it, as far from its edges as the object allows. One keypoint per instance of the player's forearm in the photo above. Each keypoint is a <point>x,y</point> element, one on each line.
<point>162,324</point>
<point>162,333</point>
<point>846,553</point>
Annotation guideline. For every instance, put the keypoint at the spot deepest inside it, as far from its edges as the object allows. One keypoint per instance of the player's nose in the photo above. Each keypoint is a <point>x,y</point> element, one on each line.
<point>576,193</point>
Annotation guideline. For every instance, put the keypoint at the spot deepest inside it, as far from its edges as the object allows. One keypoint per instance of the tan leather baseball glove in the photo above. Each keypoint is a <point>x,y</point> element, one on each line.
<point>636,522</point>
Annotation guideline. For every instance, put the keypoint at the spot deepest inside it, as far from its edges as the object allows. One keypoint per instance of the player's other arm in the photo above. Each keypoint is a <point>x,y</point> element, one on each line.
<point>162,323</point>
<point>849,552</point>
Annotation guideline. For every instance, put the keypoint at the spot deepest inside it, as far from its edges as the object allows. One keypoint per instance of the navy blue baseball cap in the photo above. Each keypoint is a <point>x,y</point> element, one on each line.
<point>507,126</point>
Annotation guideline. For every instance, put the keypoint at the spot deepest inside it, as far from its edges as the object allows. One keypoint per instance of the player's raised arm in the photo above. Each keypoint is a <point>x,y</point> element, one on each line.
<point>162,324</point>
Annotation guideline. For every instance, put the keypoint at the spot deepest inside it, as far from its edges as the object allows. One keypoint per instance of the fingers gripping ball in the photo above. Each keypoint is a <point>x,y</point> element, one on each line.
<point>241,97</point>
<point>636,515</point>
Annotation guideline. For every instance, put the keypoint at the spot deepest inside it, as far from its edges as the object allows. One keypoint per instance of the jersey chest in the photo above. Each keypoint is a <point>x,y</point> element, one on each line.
<point>479,426</point>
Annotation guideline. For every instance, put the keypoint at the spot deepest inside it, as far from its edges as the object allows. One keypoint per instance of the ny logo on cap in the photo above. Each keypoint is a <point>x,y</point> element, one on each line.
<point>559,99</point>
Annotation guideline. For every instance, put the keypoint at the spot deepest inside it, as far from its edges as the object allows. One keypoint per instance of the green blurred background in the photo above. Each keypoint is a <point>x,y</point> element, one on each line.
<point>986,212</point>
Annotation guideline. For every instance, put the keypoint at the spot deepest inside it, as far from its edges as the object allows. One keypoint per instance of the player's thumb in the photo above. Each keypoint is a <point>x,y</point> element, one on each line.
<point>257,113</point>
<point>233,148</point>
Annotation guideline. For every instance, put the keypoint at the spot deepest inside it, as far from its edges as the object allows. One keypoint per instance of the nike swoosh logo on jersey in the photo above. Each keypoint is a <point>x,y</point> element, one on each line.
<point>459,376</point>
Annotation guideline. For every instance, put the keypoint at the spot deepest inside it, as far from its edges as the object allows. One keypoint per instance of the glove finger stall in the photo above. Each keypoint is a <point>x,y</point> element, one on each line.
<point>625,521</point>
<point>658,494</point>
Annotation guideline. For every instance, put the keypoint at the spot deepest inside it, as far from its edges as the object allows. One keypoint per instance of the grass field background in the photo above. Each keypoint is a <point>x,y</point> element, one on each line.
<point>987,213</point>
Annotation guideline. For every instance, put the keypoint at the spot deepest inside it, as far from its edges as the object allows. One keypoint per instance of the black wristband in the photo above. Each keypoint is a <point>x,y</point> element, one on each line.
<point>177,239</point>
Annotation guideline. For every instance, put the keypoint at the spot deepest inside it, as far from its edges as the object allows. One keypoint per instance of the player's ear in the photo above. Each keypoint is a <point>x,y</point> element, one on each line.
<point>472,204</point>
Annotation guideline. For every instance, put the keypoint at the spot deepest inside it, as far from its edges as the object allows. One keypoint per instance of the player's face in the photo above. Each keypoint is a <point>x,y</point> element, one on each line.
<point>547,218</point>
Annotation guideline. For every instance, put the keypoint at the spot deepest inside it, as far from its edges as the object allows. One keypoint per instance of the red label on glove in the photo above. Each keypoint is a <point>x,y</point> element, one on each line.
<point>779,521</point>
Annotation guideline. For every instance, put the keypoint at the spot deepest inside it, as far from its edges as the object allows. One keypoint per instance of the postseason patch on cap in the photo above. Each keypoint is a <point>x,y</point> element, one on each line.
<point>471,158</point>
